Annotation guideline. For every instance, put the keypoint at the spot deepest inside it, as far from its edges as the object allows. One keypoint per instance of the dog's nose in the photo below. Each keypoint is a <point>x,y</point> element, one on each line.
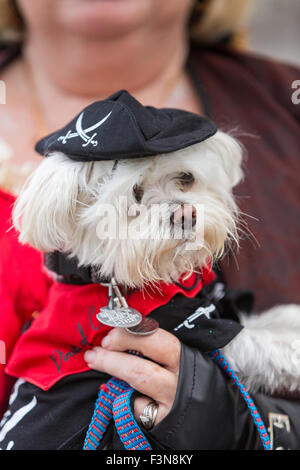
<point>185,215</point>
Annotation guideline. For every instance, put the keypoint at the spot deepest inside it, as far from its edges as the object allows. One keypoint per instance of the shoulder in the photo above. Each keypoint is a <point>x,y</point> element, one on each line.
<point>6,199</point>
<point>247,59</point>
<point>6,204</point>
<point>237,69</point>
<point>23,281</point>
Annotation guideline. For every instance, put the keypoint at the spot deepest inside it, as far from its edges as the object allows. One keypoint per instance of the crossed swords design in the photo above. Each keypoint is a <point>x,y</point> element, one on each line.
<point>83,133</point>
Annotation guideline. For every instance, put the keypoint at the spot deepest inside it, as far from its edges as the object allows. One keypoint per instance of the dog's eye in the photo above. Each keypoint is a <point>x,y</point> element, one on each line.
<point>138,192</point>
<point>185,180</point>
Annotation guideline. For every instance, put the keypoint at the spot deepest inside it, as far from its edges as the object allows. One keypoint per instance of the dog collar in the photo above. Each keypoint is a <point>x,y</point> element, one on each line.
<point>68,270</point>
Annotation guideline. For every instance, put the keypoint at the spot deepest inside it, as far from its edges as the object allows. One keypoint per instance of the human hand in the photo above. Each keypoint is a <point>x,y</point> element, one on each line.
<point>156,380</point>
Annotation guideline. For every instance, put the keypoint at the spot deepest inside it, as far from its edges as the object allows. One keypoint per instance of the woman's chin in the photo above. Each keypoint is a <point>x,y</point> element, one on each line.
<point>104,18</point>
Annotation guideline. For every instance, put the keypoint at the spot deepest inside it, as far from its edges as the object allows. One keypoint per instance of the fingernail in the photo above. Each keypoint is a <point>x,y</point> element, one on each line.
<point>105,342</point>
<point>89,356</point>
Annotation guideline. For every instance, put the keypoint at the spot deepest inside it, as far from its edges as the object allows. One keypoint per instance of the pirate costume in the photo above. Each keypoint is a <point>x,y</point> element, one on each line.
<point>202,385</point>
<point>52,348</point>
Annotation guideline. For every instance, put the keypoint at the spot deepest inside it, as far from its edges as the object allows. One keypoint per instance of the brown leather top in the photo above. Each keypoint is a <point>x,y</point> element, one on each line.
<point>253,96</point>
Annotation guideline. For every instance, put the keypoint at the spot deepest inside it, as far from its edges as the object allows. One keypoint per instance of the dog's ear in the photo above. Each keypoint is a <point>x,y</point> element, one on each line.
<point>231,154</point>
<point>45,211</point>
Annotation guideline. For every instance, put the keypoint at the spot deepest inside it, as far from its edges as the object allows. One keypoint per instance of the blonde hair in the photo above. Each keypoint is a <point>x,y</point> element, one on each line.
<point>220,18</point>
<point>211,19</point>
<point>11,25</point>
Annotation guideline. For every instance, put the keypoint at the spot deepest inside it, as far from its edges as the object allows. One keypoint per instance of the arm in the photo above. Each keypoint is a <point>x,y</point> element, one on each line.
<point>23,290</point>
<point>198,406</point>
<point>208,412</point>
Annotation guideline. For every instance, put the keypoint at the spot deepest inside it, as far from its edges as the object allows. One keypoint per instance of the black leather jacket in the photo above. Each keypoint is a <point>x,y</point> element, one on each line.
<point>210,414</point>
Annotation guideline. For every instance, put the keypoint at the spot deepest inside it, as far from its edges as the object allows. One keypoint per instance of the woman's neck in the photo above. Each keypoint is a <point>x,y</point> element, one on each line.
<point>77,72</point>
<point>85,69</point>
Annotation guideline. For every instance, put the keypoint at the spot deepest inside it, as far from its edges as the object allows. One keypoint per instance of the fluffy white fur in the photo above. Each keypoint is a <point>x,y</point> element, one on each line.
<point>266,354</point>
<point>59,208</point>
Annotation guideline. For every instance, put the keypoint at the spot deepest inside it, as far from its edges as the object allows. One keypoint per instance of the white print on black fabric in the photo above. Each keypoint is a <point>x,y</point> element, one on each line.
<point>9,420</point>
<point>12,398</point>
<point>83,133</point>
<point>9,445</point>
<point>218,292</point>
<point>188,323</point>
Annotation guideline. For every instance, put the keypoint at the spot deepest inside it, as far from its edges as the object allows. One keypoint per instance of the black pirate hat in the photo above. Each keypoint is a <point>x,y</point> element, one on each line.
<point>121,127</point>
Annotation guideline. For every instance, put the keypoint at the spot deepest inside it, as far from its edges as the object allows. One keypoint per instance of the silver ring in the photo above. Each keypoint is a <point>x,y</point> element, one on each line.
<point>148,417</point>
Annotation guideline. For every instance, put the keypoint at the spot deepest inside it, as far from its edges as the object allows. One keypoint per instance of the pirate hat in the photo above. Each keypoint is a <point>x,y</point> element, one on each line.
<point>121,127</point>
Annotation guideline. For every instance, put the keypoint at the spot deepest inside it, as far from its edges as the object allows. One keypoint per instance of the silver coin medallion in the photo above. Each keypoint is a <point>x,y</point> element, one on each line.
<point>123,317</point>
<point>148,326</point>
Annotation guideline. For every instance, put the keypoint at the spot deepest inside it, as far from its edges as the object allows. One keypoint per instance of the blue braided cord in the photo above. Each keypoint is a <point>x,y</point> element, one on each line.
<point>218,357</point>
<point>114,401</point>
<point>129,431</point>
<point>103,412</point>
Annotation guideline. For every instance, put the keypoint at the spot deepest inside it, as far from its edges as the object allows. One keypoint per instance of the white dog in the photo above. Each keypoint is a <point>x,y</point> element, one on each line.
<point>60,209</point>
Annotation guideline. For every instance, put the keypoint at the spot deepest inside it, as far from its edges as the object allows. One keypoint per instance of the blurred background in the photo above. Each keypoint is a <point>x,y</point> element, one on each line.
<point>275,29</point>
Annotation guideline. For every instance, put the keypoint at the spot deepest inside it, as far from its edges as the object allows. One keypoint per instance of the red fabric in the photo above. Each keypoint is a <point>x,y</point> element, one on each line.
<point>53,346</point>
<point>23,288</point>
<point>66,326</point>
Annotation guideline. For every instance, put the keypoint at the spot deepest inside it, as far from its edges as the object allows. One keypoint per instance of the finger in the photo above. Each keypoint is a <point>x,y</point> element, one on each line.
<point>162,347</point>
<point>140,404</point>
<point>144,376</point>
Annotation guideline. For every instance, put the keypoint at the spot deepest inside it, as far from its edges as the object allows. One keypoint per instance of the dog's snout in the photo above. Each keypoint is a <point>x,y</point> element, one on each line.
<point>185,215</point>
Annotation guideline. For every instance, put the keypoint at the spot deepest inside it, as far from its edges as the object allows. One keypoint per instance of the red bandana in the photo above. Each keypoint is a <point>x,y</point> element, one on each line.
<point>53,346</point>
